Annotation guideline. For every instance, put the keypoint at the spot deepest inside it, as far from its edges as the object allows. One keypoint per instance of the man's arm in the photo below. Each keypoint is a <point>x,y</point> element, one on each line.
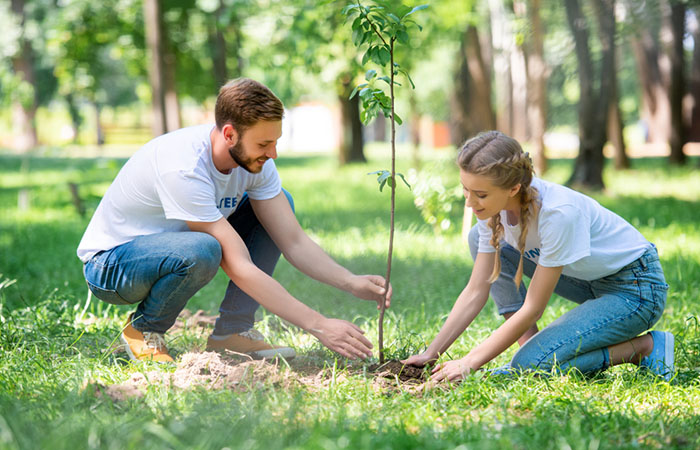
<point>277,217</point>
<point>338,335</point>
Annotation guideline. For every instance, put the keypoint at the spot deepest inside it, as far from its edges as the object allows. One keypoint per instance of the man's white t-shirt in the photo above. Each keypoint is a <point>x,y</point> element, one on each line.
<point>574,231</point>
<point>170,180</point>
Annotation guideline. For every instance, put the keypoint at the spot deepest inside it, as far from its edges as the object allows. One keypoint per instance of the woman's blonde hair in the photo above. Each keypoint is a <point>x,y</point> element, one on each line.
<point>499,157</point>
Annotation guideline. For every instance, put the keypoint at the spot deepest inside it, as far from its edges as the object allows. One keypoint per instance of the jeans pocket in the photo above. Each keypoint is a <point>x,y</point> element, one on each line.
<point>658,296</point>
<point>107,295</point>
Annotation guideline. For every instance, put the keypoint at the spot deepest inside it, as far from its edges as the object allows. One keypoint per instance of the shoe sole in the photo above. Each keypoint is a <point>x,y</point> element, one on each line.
<point>669,356</point>
<point>128,348</point>
<point>133,357</point>
<point>286,353</point>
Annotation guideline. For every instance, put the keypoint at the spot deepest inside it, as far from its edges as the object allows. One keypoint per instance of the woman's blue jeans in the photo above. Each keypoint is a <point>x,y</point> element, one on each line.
<point>611,310</point>
<point>161,272</point>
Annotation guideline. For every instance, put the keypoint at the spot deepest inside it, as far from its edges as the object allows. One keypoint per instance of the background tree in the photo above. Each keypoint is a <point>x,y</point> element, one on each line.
<point>593,103</point>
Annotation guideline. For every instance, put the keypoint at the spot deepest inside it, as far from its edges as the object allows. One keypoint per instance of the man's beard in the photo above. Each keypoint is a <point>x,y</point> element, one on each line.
<point>239,157</point>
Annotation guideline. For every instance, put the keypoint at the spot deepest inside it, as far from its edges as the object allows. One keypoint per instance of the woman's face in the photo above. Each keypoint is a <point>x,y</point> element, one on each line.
<point>486,199</point>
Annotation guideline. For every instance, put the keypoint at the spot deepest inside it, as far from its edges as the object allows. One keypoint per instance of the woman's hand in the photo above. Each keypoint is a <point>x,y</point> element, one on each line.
<point>452,370</point>
<point>421,360</point>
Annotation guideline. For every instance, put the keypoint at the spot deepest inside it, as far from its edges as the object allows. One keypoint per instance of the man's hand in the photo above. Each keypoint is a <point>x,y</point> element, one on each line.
<point>343,337</point>
<point>421,360</point>
<point>370,287</point>
<point>452,370</point>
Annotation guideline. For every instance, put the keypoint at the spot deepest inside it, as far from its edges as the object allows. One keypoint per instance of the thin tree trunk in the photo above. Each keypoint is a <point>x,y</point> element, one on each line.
<point>588,167</point>
<point>99,130</point>
<point>470,103</point>
<point>217,43</point>
<point>652,68</point>
<point>415,131</point>
<point>352,145</point>
<point>502,40</point>
<point>615,122</point>
<point>173,118</point>
<point>156,68</point>
<point>75,117</point>
<point>676,15</point>
<point>537,93</point>
<point>694,85</point>
<point>24,109</point>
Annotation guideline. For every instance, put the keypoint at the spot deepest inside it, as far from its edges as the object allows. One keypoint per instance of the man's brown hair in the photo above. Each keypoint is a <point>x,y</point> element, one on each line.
<point>244,102</point>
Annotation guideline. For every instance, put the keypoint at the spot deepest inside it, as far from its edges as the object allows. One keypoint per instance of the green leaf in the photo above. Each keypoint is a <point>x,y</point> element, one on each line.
<point>397,119</point>
<point>357,23</point>
<point>383,176</point>
<point>417,8</point>
<point>384,56</point>
<point>357,88</point>
<point>371,73</point>
<point>403,37</point>
<point>393,17</point>
<point>404,179</point>
<point>381,186</point>
<point>368,55</point>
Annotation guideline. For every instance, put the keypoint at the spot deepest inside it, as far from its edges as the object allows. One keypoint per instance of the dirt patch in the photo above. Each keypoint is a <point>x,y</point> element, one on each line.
<point>396,369</point>
<point>208,370</point>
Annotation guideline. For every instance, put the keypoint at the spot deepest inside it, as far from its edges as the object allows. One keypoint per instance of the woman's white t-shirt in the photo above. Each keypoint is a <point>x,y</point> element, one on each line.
<point>574,231</point>
<point>170,180</point>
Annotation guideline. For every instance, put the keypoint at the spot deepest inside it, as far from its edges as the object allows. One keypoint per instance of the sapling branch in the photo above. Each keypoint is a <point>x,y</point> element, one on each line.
<point>374,99</point>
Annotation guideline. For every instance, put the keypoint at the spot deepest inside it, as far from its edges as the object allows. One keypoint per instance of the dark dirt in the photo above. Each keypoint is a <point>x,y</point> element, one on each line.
<point>406,373</point>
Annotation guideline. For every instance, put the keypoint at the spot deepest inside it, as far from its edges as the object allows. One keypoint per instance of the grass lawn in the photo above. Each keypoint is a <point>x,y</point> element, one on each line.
<point>58,364</point>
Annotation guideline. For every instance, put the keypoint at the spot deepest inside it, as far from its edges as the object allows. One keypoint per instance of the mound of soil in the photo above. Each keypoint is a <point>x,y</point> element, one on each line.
<point>396,369</point>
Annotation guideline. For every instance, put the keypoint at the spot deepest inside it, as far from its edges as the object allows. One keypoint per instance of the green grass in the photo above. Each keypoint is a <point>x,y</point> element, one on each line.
<point>48,357</point>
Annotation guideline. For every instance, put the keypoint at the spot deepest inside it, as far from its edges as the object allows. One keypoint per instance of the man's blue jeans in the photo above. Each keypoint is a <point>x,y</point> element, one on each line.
<point>611,310</point>
<point>161,272</point>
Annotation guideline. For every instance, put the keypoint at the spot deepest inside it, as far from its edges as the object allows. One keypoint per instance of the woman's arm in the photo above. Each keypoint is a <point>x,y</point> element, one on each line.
<point>468,305</point>
<point>539,292</point>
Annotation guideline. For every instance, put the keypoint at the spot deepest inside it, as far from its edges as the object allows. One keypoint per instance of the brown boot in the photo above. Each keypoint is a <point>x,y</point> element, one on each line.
<point>250,342</point>
<point>144,346</point>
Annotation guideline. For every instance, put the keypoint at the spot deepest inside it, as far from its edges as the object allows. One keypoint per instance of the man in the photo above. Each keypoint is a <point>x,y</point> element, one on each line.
<point>203,197</point>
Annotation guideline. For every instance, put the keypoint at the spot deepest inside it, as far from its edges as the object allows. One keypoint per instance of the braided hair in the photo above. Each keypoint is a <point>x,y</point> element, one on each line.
<point>500,158</point>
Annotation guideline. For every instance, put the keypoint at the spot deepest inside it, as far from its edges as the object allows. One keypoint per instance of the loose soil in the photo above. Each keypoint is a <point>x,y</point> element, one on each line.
<point>233,371</point>
<point>396,369</point>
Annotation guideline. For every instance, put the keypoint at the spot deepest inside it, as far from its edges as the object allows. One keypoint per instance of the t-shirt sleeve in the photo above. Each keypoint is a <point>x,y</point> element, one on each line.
<point>187,195</point>
<point>485,237</point>
<point>267,184</point>
<point>565,234</point>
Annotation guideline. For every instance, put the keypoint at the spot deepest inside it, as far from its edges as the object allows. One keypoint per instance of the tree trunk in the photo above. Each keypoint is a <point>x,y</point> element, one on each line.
<point>615,122</point>
<point>156,68</point>
<point>217,43</point>
<point>593,106</point>
<point>652,69</point>
<point>75,117</point>
<point>470,103</point>
<point>502,41</point>
<point>694,86</point>
<point>615,127</point>
<point>172,105</point>
<point>100,134</point>
<point>352,145</point>
<point>24,109</point>
<point>415,130</point>
<point>379,127</point>
<point>537,86</point>
<point>674,11</point>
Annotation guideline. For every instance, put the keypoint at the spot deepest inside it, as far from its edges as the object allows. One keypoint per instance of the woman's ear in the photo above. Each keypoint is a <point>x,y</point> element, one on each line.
<point>514,190</point>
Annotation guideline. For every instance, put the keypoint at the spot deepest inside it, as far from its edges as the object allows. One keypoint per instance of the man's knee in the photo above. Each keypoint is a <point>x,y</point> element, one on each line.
<point>204,255</point>
<point>289,199</point>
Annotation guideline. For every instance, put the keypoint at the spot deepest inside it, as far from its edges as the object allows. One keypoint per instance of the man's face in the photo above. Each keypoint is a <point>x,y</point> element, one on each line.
<point>256,145</point>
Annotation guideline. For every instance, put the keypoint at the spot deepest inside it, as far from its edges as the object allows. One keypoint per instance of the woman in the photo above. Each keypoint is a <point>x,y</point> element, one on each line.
<point>566,243</point>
